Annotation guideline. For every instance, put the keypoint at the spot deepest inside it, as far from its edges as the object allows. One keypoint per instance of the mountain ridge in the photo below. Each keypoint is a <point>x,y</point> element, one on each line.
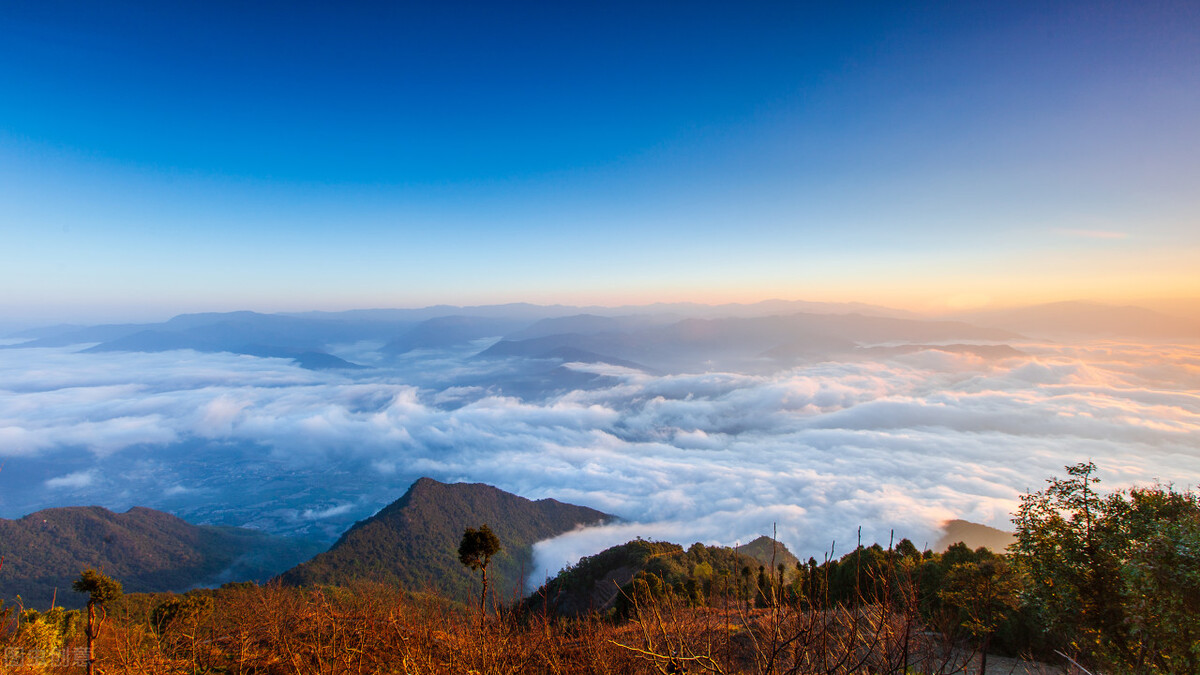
<point>414,540</point>
<point>147,550</point>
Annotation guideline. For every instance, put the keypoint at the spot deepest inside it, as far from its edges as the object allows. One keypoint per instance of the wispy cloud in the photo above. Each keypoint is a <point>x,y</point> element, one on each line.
<point>322,514</point>
<point>79,479</point>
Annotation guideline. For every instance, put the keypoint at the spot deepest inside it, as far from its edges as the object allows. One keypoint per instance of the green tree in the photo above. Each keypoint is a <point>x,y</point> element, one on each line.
<point>476,551</point>
<point>46,633</point>
<point>1116,578</point>
<point>179,621</point>
<point>906,549</point>
<point>1058,546</point>
<point>1160,578</point>
<point>101,590</point>
<point>984,593</point>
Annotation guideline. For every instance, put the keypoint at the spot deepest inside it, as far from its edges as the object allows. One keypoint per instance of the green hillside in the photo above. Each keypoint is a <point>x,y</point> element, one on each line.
<point>146,550</point>
<point>769,552</point>
<point>414,541</point>
<point>603,582</point>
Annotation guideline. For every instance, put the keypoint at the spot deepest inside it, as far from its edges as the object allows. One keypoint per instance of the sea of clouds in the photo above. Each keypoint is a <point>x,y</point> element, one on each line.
<point>898,444</point>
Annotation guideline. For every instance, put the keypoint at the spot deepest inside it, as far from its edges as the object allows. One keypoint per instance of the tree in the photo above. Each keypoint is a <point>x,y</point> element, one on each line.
<point>984,593</point>
<point>178,619</point>
<point>1115,578</point>
<point>1058,548</point>
<point>476,551</point>
<point>101,590</point>
<point>46,633</point>
<point>1160,578</point>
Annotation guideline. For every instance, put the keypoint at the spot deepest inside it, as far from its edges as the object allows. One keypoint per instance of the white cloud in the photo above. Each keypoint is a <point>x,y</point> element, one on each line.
<point>79,479</point>
<point>330,512</point>
<point>718,457</point>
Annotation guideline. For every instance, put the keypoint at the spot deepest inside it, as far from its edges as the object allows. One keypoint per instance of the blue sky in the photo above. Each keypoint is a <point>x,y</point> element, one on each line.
<point>166,157</point>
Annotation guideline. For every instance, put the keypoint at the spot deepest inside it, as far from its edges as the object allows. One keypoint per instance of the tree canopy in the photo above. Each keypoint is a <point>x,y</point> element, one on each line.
<point>101,589</point>
<point>477,547</point>
<point>1117,577</point>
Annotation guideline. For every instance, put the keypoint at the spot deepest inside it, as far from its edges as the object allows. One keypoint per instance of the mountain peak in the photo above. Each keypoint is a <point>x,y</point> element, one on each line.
<point>414,540</point>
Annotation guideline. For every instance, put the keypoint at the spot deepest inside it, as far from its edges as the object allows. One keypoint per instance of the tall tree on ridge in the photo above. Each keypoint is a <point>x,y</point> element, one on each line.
<point>476,551</point>
<point>101,590</point>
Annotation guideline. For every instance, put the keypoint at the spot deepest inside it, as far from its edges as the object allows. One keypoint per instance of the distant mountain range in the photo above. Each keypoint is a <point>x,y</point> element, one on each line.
<point>451,331</point>
<point>414,541</point>
<point>743,344</point>
<point>269,335</point>
<point>679,337</point>
<point>146,550</point>
<point>1088,319</point>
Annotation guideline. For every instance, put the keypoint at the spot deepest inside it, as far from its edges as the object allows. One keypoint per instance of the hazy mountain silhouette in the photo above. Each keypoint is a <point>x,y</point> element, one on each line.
<point>591,324</point>
<point>989,352</point>
<point>531,312</point>
<point>1088,319</point>
<point>146,550</point>
<point>449,331</point>
<point>973,535</point>
<point>322,328</point>
<point>659,337</point>
<point>65,335</point>
<point>770,553</point>
<point>223,331</point>
<point>567,347</point>
<point>161,341</point>
<point>414,541</point>
<point>744,343</point>
<point>268,335</point>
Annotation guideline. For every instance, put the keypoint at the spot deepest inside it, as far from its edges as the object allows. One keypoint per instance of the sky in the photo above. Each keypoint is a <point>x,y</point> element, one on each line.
<point>158,158</point>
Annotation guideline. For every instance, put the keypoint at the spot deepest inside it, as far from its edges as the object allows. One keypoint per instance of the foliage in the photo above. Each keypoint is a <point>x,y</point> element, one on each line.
<point>608,581</point>
<point>100,588</point>
<point>187,608</point>
<point>477,547</point>
<point>476,551</point>
<point>373,628</point>
<point>1115,578</point>
<point>47,633</point>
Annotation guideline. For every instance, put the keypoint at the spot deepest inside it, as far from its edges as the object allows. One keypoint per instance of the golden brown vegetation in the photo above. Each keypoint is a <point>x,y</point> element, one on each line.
<point>379,629</point>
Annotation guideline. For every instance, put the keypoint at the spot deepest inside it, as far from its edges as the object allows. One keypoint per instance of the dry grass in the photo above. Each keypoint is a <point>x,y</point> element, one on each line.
<point>379,629</point>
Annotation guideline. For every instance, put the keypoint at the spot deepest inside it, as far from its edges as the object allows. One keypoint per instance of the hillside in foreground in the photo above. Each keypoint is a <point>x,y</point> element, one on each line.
<point>605,581</point>
<point>147,550</point>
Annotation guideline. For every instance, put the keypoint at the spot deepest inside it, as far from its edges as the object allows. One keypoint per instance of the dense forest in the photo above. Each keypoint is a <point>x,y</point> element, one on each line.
<point>1108,582</point>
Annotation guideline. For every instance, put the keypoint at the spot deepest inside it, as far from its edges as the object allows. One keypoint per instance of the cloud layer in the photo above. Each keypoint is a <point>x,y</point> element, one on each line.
<point>898,444</point>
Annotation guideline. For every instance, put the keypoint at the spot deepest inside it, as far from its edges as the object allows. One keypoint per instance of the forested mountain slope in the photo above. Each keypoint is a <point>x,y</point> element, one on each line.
<point>146,550</point>
<point>414,541</point>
